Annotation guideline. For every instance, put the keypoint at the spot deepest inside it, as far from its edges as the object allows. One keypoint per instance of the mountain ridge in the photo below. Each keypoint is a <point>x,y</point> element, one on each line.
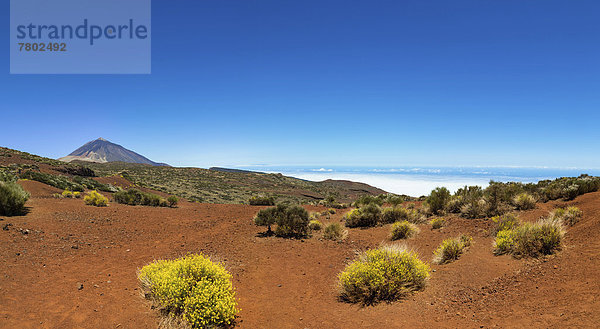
<point>102,151</point>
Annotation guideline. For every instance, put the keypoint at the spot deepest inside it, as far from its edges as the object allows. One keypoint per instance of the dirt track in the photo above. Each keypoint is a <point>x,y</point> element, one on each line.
<point>280,283</point>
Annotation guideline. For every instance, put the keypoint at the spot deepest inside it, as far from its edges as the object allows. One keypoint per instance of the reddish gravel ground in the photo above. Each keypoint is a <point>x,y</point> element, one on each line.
<point>67,265</point>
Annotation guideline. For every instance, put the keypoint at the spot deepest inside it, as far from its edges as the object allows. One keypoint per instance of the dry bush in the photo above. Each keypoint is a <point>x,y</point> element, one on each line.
<point>403,230</point>
<point>451,249</point>
<point>335,232</point>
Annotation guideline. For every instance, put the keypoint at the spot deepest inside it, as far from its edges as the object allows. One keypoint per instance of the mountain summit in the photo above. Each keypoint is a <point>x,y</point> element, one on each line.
<point>101,150</point>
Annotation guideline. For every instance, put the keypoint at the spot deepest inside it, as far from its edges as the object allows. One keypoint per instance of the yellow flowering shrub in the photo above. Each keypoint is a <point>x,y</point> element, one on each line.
<point>94,198</point>
<point>504,242</point>
<point>67,194</point>
<point>451,249</point>
<point>192,288</point>
<point>383,274</point>
<point>531,239</point>
<point>437,223</point>
<point>315,225</point>
<point>403,230</point>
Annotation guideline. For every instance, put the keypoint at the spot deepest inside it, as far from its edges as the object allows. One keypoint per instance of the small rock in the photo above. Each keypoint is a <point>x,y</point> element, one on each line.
<point>75,247</point>
<point>433,270</point>
<point>5,227</point>
<point>128,250</point>
<point>79,286</point>
<point>279,285</point>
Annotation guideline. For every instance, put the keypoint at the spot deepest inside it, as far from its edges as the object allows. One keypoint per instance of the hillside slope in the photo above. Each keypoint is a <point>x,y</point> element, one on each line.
<point>195,184</point>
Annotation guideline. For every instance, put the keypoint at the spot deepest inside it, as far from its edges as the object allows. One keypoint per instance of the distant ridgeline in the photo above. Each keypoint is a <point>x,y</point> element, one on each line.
<point>222,185</point>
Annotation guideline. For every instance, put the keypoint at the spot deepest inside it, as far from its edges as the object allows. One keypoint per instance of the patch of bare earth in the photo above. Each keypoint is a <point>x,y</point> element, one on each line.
<point>67,265</point>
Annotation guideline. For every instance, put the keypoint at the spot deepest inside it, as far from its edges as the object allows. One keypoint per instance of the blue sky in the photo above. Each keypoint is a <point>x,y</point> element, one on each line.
<point>369,83</point>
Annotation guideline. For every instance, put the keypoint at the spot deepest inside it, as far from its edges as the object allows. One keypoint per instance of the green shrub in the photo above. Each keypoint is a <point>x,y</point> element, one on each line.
<point>262,201</point>
<point>524,201</point>
<point>366,200</point>
<point>335,232</point>
<point>384,274</point>
<point>290,220</point>
<point>454,204</point>
<point>395,214</point>
<point>394,200</point>
<point>531,239</point>
<point>504,222</point>
<point>331,211</point>
<point>294,223</point>
<point>135,197</point>
<point>94,198</point>
<point>476,208</point>
<point>451,249</point>
<point>437,200</point>
<point>437,223</point>
<point>568,216</point>
<point>367,216</point>
<point>12,199</point>
<point>315,225</point>
<point>191,288</point>
<point>268,217</point>
<point>403,230</point>
<point>6,176</point>
<point>173,201</point>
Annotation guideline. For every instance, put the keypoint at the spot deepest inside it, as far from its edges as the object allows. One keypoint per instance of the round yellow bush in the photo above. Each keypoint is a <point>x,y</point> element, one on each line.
<point>94,198</point>
<point>192,288</point>
<point>403,230</point>
<point>383,274</point>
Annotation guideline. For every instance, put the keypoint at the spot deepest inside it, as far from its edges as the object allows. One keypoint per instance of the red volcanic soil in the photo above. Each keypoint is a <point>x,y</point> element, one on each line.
<point>67,265</point>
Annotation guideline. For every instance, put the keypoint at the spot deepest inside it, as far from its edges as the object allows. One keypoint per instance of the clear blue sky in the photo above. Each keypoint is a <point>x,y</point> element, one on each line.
<point>384,83</point>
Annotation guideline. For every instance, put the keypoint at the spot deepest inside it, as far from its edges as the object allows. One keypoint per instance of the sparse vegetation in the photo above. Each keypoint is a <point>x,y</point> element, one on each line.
<point>451,249</point>
<point>524,201</point>
<point>193,289</point>
<point>399,213</point>
<point>403,230</point>
<point>77,183</point>
<point>383,274</point>
<point>94,198</point>
<point>262,201</point>
<point>366,216</point>
<point>366,200</point>
<point>134,197</point>
<point>500,198</point>
<point>437,223</point>
<point>335,232</point>
<point>531,239</point>
<point>12,198</point>
<point>290,220</point>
